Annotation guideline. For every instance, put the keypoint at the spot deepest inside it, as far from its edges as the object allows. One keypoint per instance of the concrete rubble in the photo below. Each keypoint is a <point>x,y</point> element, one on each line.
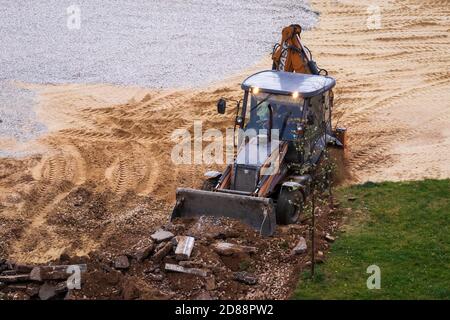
<point>162,235</point>
<point>184,247</point>
<point>14,278</point>
<point>300,247</point>
<point>161,253</point>
<point>228,249</point>
<point>60,272</point>
<point>144,252</point>
<point>177,268</point>
<point>47,292</point>
<point>224,260</point>
<point>37,282</point>
<point>121,262</point>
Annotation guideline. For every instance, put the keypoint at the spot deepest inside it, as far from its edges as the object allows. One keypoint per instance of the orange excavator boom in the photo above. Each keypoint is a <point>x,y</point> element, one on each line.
<point>290,55</point>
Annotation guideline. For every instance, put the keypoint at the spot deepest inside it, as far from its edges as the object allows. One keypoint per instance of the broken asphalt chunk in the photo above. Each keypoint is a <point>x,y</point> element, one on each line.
<point>162,235</point>
<point>245,277</point>
<point>177,268</point>
<point>161,253</point>
<point>23,268</point>
<point>121,262</point>
<point>184,247</point>
<point>227,249</point>
<point>59,272</point>
<point>300,247</point>
<point>15,278</point>
<point>47,291</point>
<point>144,253</point>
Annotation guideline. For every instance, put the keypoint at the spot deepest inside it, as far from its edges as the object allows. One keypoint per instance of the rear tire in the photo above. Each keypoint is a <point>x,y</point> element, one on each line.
<point>289,206</point>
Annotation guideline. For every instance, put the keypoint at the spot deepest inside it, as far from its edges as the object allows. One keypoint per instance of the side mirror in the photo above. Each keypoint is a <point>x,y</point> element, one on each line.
<point>221,106</point>
<point>239,120</point>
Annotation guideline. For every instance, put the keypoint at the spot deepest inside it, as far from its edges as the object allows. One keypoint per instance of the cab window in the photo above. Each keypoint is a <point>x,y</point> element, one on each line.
<point>286,113</point>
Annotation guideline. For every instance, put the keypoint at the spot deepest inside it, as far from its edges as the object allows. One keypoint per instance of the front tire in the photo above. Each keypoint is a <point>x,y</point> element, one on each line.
<point>289,206</point>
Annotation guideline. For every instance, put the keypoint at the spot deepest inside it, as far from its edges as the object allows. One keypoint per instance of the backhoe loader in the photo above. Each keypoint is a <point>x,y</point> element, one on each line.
<point>284,122</point>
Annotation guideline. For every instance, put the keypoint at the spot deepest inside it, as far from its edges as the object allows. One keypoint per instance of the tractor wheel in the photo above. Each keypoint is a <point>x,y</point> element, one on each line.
<point>289,206</point>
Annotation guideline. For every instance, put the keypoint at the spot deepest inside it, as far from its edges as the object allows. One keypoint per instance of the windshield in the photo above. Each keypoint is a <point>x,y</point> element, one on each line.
<point>286,113</point>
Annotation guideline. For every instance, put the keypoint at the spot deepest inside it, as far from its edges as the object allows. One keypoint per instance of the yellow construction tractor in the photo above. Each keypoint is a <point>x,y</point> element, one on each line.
<point>284,122</point>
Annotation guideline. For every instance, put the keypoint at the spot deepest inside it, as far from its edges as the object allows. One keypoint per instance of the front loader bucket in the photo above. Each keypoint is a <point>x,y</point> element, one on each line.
<point>257,212</point>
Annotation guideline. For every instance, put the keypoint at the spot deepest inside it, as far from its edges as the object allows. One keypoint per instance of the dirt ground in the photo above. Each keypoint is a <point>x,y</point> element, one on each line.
<point>103,178</point>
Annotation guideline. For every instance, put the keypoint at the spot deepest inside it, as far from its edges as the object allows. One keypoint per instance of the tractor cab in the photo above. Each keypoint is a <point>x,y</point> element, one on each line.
<point>290,107</point>
<point>284,118</point>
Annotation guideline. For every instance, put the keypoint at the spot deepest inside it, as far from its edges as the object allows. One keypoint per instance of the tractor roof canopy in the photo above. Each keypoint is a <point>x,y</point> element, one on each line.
<point>280,82</point>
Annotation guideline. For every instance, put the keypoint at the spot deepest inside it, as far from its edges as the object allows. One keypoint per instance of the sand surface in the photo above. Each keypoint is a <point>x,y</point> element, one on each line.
<point>393,85</point>
<point>114,142</point>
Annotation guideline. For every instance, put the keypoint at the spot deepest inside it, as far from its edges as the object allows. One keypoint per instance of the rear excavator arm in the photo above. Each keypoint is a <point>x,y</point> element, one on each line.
<point>290,55</point>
